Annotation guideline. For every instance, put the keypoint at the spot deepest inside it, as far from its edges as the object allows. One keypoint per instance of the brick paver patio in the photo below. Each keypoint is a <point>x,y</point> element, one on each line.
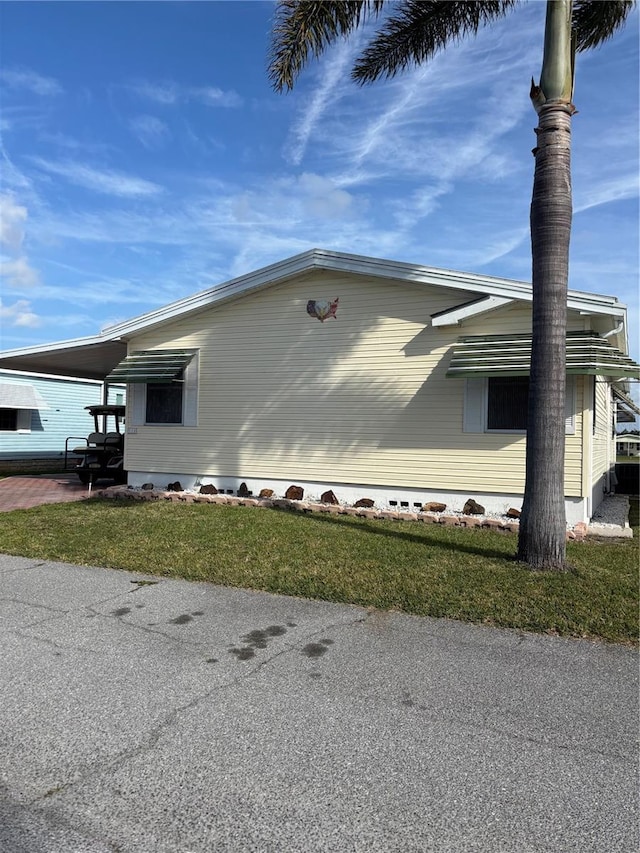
<point>28,491</point>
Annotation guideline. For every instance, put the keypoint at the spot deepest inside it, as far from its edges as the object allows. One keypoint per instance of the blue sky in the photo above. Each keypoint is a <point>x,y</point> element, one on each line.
<point>145,157</point>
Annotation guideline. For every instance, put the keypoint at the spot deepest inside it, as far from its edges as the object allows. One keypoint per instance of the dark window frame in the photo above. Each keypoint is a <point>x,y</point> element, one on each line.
<point>164,402</point>
<point>9,420</point>
<point>507,404</point>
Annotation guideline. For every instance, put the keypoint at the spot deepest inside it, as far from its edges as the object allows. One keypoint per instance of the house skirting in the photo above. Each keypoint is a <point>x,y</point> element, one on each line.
<point>384,497</point>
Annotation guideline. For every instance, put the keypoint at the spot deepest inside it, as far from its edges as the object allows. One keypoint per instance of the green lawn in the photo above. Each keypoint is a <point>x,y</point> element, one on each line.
<point>409,566</point>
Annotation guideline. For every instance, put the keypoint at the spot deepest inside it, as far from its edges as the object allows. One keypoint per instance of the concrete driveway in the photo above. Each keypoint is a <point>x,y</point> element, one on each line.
<point>149,715</point>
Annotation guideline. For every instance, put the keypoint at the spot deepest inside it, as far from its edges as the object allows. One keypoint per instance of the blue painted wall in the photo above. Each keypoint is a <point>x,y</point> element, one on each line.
<point>65,416</point>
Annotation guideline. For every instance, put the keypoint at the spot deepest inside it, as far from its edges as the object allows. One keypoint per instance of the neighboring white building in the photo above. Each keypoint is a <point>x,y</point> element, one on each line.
<point>371,377</point>
<point>628,445</point>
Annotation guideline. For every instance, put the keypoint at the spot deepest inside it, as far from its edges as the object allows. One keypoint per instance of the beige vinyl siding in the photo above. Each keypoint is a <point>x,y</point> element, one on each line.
<point>602,435</point>
<point>358,399</point>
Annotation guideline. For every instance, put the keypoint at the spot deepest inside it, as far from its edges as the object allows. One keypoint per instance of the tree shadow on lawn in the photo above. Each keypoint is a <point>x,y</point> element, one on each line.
<point>351,522</point>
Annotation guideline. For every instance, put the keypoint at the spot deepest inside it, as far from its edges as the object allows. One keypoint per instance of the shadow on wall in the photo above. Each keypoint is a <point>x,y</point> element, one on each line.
<point>300,395</point>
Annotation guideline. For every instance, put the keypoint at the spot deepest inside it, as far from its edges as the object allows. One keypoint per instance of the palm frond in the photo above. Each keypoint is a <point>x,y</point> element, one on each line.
<point>594,21</point>
<point>419,29</point>
<point>302,28</point>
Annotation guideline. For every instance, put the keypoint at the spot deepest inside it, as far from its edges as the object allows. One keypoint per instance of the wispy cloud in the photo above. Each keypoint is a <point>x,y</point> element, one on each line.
<point>15,270</point>
<point>18,273</point>
<point>30,81</point>
<point>20,314</point>
<point>600,192</point>
<point>168,93</point>
<point>211,96</point>
<point>150,131</point>
<point>334,72</point>
<point>13,217</point>
<point>107,181</point>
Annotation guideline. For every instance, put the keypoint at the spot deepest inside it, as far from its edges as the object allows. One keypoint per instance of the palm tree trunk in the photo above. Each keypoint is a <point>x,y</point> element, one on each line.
<point>542,540</point>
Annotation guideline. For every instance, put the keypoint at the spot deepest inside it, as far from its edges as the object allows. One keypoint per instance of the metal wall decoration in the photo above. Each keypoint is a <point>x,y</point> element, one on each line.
<point>322,309</point>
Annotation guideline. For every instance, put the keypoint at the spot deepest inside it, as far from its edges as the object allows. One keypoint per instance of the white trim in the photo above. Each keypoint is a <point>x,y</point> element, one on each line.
<point>322,259</point>
<point>27,374</point>
<point>455,316</point>
<point>476,408</point>
<point>349,493</point>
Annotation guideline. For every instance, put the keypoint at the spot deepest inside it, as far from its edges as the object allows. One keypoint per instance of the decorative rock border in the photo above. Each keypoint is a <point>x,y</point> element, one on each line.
<point>504,525</point>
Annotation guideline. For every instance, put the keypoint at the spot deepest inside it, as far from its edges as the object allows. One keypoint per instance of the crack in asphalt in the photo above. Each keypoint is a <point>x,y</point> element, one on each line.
<point>171,718</point>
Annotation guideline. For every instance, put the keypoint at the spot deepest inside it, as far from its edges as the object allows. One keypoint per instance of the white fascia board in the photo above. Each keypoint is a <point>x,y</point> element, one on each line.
<point>323,259</point>
<point>26,374</point>
<point>224,292</point>
<point>456,315</point>
<point>37,349</point>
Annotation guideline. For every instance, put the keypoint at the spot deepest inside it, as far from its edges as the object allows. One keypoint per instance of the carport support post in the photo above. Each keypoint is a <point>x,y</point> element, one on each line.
<point>105,393</point>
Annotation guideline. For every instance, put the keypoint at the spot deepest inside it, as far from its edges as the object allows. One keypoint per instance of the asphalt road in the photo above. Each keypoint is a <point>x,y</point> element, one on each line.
<point>146,716</point>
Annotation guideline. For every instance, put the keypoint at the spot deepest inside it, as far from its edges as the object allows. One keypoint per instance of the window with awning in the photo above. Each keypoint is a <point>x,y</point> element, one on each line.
<point>20,397</point>
<point>17,402</point>
<point>163,387</point>
<point>151,366</point>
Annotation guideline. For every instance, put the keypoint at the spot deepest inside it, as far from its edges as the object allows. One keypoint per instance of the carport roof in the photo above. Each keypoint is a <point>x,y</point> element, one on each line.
<point>82,358</point>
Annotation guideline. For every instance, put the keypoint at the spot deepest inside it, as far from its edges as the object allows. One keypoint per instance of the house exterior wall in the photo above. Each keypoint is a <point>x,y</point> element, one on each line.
<point>361,399</point>
<point>603,440</point>
<point>48,428</point>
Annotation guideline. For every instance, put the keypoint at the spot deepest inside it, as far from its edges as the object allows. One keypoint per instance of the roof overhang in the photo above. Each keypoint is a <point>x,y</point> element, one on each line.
<point>95,357</point>
<point>510,355</point>
<point>82,358</point>
<point>322,259</point>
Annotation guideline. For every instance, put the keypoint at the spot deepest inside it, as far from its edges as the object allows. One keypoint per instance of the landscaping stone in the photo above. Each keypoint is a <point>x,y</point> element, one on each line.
<point>434,506</point>
<point>175,487</point>
<point>266,493</point>
<point>281,503</point>
<point>580,530</point>
<point>362,509</point>
<point>243,491</point>
<point>472,508</point>
<point>294,493</point>
<point>328,498</point>
<point>491,523</point>
<point>369,513</point>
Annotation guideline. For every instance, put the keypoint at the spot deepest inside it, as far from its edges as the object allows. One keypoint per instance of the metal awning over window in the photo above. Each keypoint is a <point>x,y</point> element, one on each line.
<point>151,366</point>
<point>510,355</point>
<point>20,397</point>
<point>625,405</point>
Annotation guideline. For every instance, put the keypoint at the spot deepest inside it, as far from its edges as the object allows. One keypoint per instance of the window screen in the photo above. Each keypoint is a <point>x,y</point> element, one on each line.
<point>164,403</point>
<point>507,402</point>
